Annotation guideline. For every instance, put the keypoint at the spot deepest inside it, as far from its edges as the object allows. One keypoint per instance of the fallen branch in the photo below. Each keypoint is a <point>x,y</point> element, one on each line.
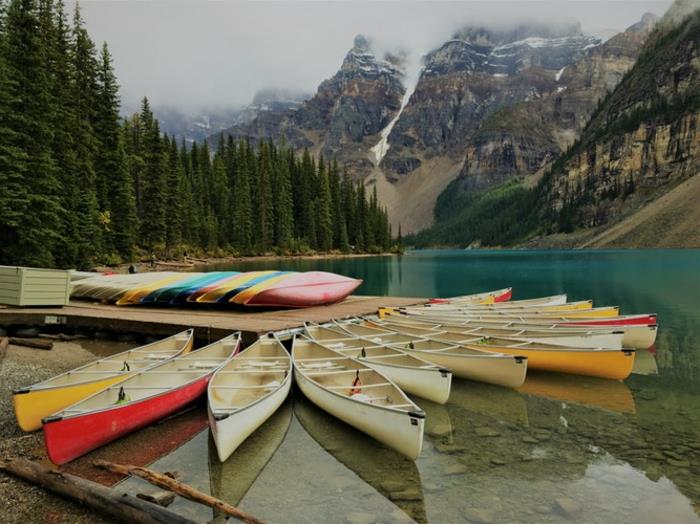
<point>4,342</point>
<point>182,489</point>
<point>36,344</point>
<point>119,505</point>
<point>62,337</point>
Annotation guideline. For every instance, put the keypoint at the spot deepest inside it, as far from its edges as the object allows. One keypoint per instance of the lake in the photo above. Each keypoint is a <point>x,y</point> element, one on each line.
<point>559,449</point>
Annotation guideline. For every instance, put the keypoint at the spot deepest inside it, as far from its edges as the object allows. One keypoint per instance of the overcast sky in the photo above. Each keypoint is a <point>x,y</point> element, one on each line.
<point>203,54</point>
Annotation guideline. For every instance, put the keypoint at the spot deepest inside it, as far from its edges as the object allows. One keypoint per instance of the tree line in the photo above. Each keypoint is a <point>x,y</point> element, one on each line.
<point>80,185</point>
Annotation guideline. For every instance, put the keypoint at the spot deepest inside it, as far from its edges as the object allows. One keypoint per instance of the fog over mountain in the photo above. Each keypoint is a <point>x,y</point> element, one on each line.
<point>197,56</point>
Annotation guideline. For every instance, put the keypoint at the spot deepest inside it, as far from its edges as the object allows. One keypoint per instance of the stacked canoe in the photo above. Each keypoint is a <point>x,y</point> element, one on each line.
<point>358,369</point>
<point>253,288</point>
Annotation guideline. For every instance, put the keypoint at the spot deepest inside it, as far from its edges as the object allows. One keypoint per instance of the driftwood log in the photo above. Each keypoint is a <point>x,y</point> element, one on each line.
<point>182,489</point>
<point>4,342</point>
<point>122,506</point>
<point>36,344</point>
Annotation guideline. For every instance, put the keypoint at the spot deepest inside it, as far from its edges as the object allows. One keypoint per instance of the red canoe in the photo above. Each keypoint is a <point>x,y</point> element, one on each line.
<point>134,403</point>
<point>622,320</point>
<point>311,288</point>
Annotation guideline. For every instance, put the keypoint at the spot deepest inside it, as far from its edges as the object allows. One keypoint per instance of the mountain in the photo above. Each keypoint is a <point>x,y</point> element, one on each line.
<point>629,179</point>
<point>204,124</point>
<point>345,116</point>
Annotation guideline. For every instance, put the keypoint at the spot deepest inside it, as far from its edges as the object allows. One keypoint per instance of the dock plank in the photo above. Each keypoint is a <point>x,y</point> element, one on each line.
<point>209,324</point>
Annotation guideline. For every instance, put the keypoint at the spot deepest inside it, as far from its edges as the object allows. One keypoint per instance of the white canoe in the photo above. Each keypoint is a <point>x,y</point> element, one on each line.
<point>412,374</point>
<point>246,391</point>
<point>472,364</point>
<point>583,338</point>
<point>634,336</point>
<point>358,395</point>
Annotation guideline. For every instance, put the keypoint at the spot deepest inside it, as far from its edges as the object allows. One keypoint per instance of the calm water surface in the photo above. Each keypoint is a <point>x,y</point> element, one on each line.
<point>560,449</point>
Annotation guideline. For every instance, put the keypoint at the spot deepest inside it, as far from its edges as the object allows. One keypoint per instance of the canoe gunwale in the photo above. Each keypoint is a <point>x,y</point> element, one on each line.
<point>205,373</point>
<point>38,386</point>
<point>416,414</point>
<point>288,373</point>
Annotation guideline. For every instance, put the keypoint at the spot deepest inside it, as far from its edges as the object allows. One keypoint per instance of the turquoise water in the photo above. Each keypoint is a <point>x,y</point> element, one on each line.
<point>561,449</point>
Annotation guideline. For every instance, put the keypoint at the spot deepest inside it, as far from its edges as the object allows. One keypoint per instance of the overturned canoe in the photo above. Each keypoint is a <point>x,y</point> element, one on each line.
<point>358,395</point>
<point>411,373</point>
<point>40,400</point>
<point>246,391</point>
<point>140,400</point>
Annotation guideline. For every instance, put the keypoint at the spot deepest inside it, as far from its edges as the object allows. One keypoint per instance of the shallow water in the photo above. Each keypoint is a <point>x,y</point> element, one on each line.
<point>561,449</point>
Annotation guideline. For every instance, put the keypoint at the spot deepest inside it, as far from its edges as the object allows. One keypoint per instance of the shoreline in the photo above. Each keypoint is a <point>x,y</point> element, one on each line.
<point>190,263</point>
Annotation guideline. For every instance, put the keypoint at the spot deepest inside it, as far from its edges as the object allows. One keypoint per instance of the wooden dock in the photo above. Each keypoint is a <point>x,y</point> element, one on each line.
<point>209,324</point>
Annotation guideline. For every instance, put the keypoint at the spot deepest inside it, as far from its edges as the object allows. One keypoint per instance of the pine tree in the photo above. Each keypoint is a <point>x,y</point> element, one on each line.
<point>30,101</point>
<point>90,222</point>
<point>118,202</point>
<point>323,210</point>
<point>153,221</point>
<point>13,193</point>
<point>284,205</point>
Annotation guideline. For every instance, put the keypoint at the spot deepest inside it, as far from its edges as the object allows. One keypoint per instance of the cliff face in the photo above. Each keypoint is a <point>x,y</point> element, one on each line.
<point>488,106</point>
<point>344,117</point>
<point>645,137</point>
<point>525,137</point>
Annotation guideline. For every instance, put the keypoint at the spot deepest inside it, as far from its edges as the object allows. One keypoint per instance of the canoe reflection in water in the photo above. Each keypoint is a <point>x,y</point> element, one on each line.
<point>390,473</point>
<point>231,479</point>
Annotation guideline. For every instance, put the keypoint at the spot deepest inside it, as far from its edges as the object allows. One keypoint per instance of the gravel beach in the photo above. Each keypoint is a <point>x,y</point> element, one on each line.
<point>21,502</point>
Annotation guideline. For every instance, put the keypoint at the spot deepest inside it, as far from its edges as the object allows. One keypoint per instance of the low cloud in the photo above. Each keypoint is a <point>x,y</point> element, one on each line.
<point>197,55</point>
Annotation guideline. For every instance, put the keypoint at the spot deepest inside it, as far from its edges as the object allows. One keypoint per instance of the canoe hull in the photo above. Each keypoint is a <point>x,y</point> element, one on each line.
<point>230,432</point>
<point>32,406</point>
<point>69,438</point>
<point>395,429</point>
<point>306,290</point>
<point>508,372</point>
<point>611,364</point>
<point>428,383</point>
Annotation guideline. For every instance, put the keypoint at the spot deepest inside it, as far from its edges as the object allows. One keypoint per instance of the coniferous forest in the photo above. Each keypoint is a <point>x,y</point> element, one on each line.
<point>80,185</point>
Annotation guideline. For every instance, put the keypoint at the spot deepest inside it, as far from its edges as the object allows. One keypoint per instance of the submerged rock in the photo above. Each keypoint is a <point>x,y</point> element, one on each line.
<point>567,507</point>
<point>479,516</point>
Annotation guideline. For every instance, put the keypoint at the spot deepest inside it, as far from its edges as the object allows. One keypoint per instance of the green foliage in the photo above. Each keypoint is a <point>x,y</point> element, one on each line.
<point>498,216</point>
<point>80,186</point>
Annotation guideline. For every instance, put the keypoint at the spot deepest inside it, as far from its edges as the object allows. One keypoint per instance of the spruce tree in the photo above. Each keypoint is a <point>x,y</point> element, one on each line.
<point>30,100</point>
<point>323,210</point>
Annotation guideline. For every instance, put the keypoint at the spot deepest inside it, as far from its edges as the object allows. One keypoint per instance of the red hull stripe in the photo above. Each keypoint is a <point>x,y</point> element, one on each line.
<point>69,438</point>
<point>641,320</point>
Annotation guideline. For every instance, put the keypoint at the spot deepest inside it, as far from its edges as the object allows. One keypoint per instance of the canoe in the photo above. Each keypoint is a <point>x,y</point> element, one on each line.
<point>641,336</point>
<point>40,400</point>
<point>616,364</point>
<point>109,288</point>
<point>358,395</point>
<point>142,399</point>
<point>512,307</point>
<point>179,291</point>
<point>135,294</point>
<point>223,291</point>
<point>246,391</point>
<point>376,464</point>
<point>231,480</point>
<point>411,373</point>
<point>577,314</point>
<point>500,295</point>
<point>582,338</point>
<point>472,364</point>
<point>307,289</point>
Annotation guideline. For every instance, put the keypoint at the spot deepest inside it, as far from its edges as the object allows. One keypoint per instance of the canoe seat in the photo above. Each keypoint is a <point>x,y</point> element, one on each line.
<point>261,363</point>
<point>200,365</point>
<point>319,365</point>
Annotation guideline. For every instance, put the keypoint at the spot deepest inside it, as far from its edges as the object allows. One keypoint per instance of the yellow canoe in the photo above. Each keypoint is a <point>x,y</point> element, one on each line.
<point>604,363</point>
<point>134,296</point>
<point>36,402</point>
<point>220,290</point>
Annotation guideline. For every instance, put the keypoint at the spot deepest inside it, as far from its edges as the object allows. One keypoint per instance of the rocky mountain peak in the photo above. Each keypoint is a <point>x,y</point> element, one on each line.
<point>361,60</point>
